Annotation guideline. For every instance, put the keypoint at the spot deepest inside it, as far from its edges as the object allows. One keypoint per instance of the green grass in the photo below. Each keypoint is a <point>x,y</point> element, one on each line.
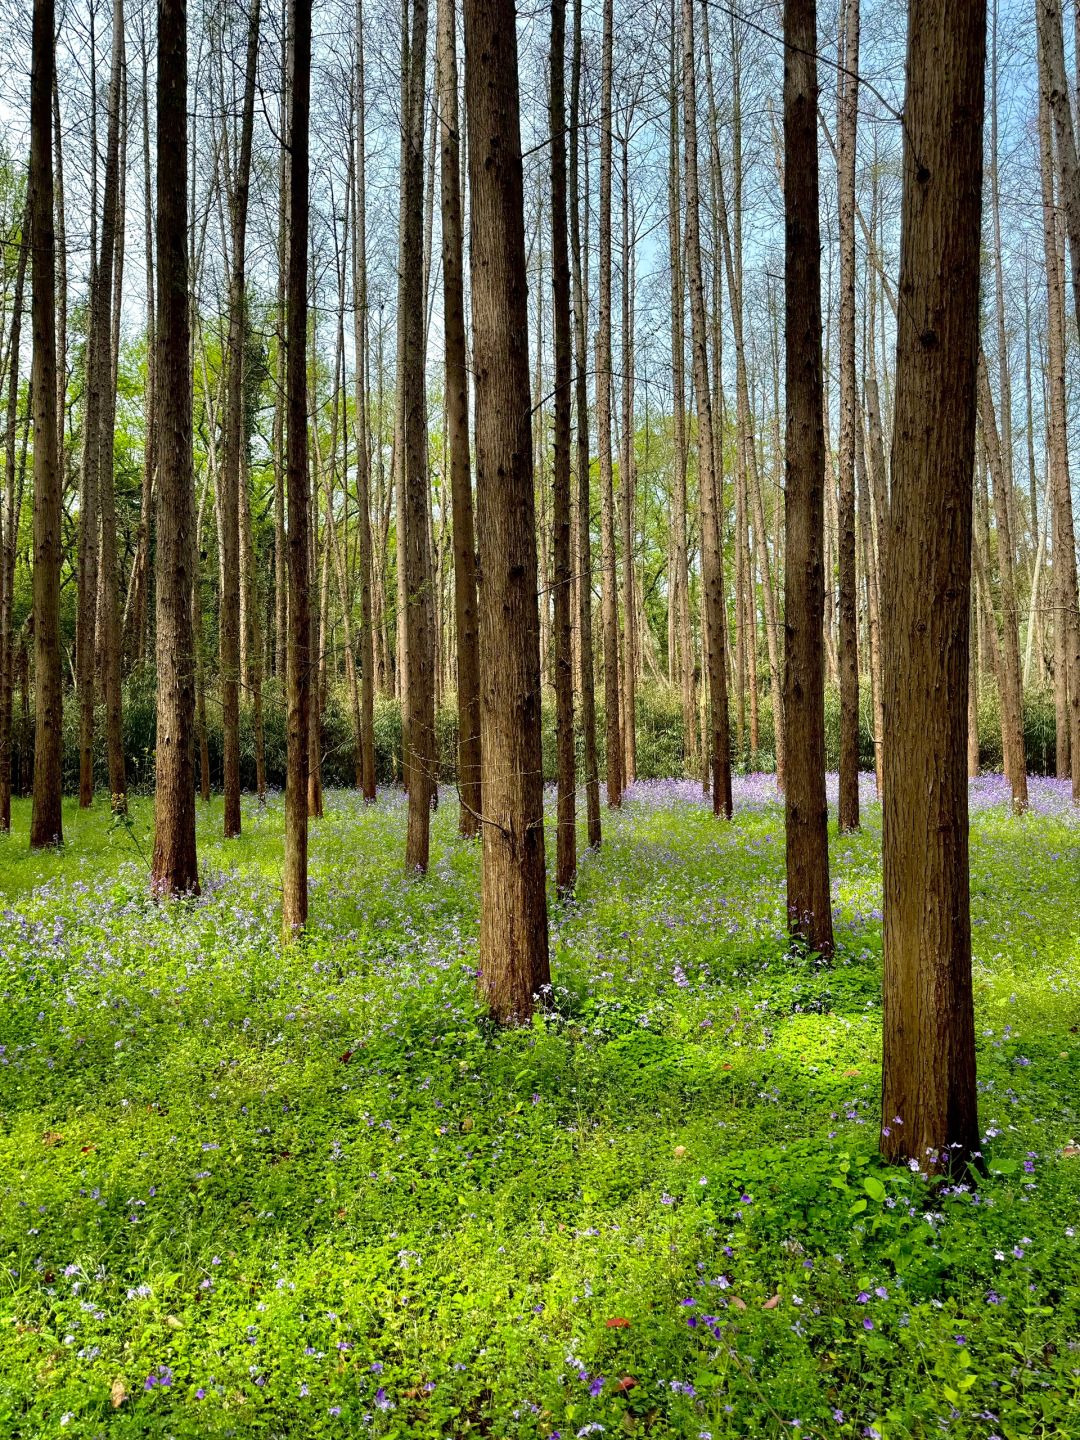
<point>248,1193</point>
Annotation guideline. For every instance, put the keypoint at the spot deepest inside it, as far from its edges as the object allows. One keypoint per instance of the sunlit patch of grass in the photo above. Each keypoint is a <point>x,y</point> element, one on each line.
<point>254,1192</point>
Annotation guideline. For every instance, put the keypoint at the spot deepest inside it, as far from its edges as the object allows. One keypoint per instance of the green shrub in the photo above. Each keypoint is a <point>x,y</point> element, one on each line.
<point>661,743</point>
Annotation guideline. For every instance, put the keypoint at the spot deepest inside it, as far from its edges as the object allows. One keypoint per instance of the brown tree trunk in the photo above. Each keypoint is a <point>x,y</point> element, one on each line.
<point>1054,89</point>
<point>847,130</point>
<point>627,467</point>
<point>1057,445</point>
<point>711,551</point>
<point>109,273</point>
<point>1012,705</point>
<point>566,833</point>
<point>294,898</point>
<point>46,823</point>
<point>609,599</point>
<point>513,915</point>
<point>419,631</point>
<point>679,538</point>
<point>928,1083</point>
<point>363,445</point>
<point>809,901</point>
<point>234,440</point>
<point>457,417</point>
<point>138,616</point>
<point>584,489</point>
<point>8,524</point>
<point>175,866</point>
<point>873,593</point>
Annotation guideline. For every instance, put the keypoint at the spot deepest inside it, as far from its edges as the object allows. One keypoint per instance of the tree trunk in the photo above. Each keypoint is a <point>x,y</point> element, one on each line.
<point>235,439</point>
<point>513,914</point>
<point>679,539</point>
<point>627,465</point>
<point>609,599</point>
<point>566,833</point>
<point>419,633</point>
<point>928,1083</point>
<point>363,445</point>
<point>847,130</point>
<point>1012,705</point>
<point>809,901</point>
<point>457,418</point>
<point>711,552</point>
<point>1055,99</point>
<point>294,900</point>
<point>139,609</point>
<point>8,524</point>
<point>584,489</point>
<point>175,866</point>
<point>46,823</point>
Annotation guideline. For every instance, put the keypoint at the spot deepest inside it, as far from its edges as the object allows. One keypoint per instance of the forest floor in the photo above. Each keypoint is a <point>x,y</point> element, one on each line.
<point>248,1193</point>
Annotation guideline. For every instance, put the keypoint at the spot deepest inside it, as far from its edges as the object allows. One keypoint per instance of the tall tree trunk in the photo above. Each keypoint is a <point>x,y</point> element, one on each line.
<point>109,274</point>
<point>847,131</point>
<point>566,833</point>
<point>46,822</point>
<point>1012,705</point>
<point>294,899</point>
<point>8,523</point>
<point>1054,86</point>
<point>457,418</point>
<point>809,901</point>
<point>419,632</point>
<point>873,592</point>
<point>140,604</point>
<point>175,866</point>
<point>715,628</point>
<point>235,440</point>
<point>61,283</point>
<point>679,538</point>
<point>609,599</point>
<point>928,1083</point>
<point>363,443</point>
<point>627,465</point>
<point>584,489</point>
<point>513,910</point>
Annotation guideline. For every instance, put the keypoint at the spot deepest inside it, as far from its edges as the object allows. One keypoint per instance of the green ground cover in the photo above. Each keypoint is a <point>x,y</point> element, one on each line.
<point>251,1193</point>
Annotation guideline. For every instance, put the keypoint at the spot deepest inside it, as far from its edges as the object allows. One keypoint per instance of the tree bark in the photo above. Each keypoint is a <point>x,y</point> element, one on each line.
<point>175,866</point>
<point>46,822</point>
<point>234,440</point>
<point>809,901</point>
<point>928,1083</point>
<point>294,900</point>
<point>1055,96</point>
<point>711,553</point>
<point>457,417</point>
<point>566,832</point>
<point>847,131</point>
<point>363,442</point>
<point>513,913</point>
<point>8,523</point>
<point>1012,704</point>
<point>419,632</point>
<point>609,599</point>
<point>584,488</point>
